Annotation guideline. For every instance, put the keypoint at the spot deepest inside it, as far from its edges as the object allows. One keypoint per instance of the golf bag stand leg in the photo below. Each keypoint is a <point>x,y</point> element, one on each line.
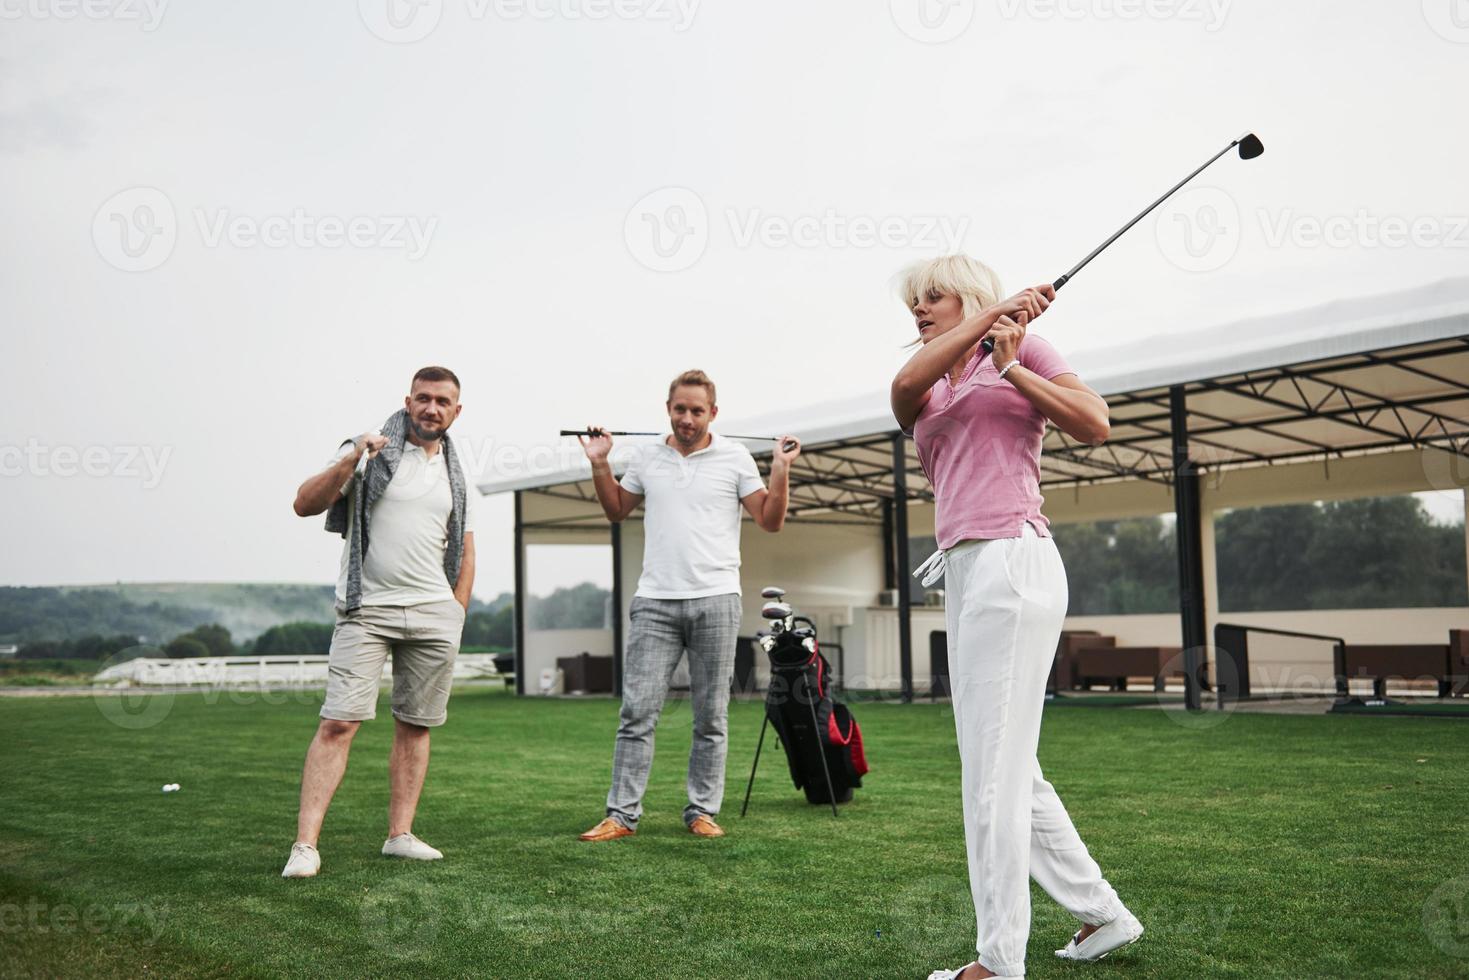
<point>831,794</point>
<point>758,746</point>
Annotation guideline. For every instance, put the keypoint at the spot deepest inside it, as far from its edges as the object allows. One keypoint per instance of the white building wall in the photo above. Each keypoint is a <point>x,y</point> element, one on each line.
<point>543,647</point>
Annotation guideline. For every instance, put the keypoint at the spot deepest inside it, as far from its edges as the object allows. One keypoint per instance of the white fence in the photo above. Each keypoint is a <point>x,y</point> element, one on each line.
<point>264,672</point>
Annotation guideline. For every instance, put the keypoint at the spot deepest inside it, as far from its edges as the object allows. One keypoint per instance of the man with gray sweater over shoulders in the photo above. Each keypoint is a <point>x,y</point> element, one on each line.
<point>692,485</point>
<point>400,500</point>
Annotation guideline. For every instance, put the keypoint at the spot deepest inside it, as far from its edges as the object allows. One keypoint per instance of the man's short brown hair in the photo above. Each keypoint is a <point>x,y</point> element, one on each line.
<point>435,373</point>
<point>693,379</point>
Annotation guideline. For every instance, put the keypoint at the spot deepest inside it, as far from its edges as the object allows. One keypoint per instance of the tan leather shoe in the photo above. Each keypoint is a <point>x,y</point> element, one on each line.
<point>608,829</point>
<point>704,826</point>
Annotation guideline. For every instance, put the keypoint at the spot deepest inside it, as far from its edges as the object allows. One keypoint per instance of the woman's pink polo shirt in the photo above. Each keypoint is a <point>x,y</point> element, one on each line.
<point>980,445</point>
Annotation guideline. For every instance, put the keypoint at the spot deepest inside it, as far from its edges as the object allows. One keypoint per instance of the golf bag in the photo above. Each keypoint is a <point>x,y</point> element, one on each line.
<point>822,741</point>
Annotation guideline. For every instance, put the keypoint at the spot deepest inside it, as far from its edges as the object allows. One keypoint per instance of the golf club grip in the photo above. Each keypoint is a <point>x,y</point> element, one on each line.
<point>363,460</point>
<point>611,432</point>
<point>989,345</point>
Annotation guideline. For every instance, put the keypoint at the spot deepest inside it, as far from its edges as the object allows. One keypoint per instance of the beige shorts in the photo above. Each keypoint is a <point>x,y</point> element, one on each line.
<point>423,641</point>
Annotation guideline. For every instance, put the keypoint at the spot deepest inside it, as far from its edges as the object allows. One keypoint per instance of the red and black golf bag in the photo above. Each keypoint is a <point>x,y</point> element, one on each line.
<point>822,741</point>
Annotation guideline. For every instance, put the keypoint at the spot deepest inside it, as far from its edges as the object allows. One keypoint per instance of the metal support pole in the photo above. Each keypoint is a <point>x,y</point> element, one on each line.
<point>900,536</point>
<point>1188,531</point>
<point>889,557</point>
<point>617,609</point>
<point>519,596</point>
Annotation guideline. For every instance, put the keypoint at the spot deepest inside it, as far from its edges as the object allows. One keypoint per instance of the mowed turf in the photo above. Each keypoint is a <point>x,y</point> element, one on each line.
<point>1260,846</point>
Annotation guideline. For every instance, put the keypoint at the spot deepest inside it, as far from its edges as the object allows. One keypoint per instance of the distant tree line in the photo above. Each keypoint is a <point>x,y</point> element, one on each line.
<point>90,647</point>
<point>1119,567</point>
<point>293,638</point>
<point>488,626</point>
<point>1370,553</point>
<point>491,630</point>
<point>581,606</point>
<point>209,640</point>
<point>29,615</point>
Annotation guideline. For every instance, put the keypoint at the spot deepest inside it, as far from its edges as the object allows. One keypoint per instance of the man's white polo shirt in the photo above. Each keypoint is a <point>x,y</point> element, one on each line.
<point>691,517</point>
<point>408,533</point>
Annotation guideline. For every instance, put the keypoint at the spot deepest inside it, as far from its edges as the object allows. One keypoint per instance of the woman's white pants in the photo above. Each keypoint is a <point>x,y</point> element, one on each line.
<point>1006,599</point>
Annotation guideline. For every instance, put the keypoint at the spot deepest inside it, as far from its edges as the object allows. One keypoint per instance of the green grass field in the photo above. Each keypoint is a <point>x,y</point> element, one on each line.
<point>1263,846</point>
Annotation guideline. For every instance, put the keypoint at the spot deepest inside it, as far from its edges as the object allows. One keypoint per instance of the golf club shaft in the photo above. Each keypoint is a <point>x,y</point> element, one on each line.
<point>989,345</point>
<point>787,446</point>
<point>1143,214</point>
<point>610,432</point>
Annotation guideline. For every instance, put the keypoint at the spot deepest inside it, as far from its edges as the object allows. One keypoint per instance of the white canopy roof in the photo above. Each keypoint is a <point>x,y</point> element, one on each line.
<point>1325,414</point>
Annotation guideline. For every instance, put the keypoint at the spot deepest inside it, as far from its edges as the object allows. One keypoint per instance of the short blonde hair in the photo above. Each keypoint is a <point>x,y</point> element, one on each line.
<point>693,379</point>
<point>975,283</point>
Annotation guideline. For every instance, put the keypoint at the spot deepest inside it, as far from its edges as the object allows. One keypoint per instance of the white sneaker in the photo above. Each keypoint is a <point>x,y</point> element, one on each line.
<point>408,846</point>
<point>305,862</point>
<point>1121,931</point>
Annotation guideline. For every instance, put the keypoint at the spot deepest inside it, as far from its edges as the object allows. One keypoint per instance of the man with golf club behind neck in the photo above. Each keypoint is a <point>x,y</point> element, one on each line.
<point>402,590</point>
<point>692,485</point>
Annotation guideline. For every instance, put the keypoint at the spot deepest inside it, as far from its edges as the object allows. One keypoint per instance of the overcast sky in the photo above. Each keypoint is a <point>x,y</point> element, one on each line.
<point>232,231</point>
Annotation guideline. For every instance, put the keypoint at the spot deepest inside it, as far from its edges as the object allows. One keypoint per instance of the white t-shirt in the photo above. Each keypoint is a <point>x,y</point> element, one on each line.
<point>691,517</point>
<point>409,531</point>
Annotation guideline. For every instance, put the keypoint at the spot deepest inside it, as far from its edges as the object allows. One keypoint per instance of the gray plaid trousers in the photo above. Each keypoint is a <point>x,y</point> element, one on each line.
<point>661,630</point>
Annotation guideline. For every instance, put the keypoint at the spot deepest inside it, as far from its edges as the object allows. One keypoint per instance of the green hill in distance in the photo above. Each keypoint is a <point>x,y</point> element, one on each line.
<point>160,611</point>
<point>245,609</point>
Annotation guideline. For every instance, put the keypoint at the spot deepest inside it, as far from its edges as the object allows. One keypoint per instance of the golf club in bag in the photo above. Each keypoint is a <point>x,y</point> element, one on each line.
<point>822,741</point>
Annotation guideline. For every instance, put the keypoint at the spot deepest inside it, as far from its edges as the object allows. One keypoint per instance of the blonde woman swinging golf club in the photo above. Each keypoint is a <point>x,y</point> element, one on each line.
<point>977,420</point>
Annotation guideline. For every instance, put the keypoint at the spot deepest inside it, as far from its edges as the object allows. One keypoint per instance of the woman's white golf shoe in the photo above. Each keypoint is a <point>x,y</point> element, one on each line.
<point>1121,931</point>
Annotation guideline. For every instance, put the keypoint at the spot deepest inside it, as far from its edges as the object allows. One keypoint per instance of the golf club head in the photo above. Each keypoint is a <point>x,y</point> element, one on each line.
<point>1250,146</point>
<point>772,592</point>
<point>775,610</point>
